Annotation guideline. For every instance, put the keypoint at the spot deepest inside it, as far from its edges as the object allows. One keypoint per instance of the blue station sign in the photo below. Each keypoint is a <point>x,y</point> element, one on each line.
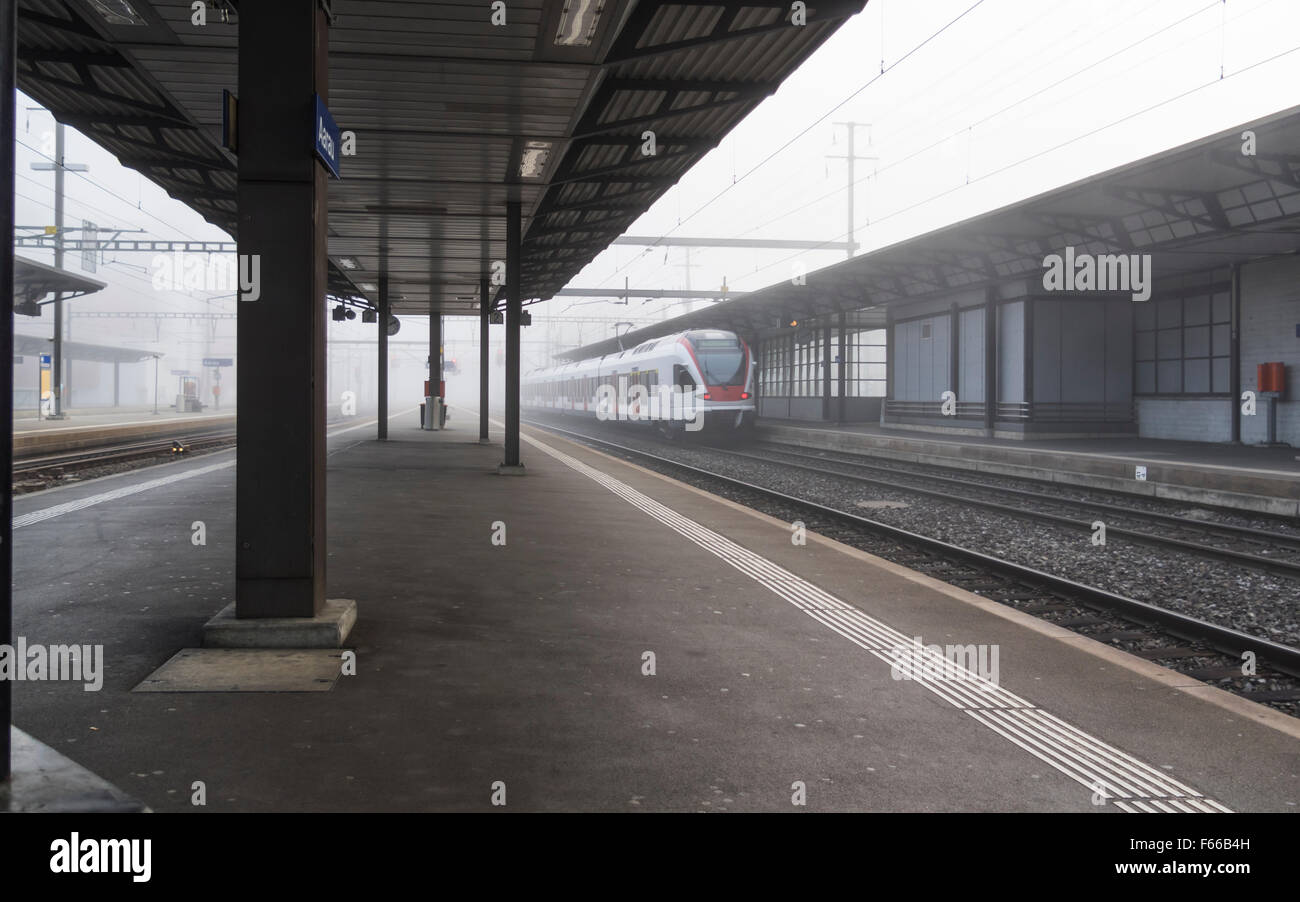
<point>45,361</point>
<point>218,361</point>
<point>328,147</point>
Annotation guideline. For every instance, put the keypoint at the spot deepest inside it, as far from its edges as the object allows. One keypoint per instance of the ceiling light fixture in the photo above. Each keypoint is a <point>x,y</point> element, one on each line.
<point>117,12</point>
<point>578,23</point>
<point>532,162</point>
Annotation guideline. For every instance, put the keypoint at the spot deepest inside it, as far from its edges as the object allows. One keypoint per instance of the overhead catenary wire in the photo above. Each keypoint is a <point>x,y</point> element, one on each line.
<point>1020,102</point>
<point>1056,147</point>
<point>771,156</point>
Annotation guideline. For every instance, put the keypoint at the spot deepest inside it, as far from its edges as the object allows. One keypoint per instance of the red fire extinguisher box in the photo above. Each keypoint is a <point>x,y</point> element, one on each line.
<point>1271,377</point>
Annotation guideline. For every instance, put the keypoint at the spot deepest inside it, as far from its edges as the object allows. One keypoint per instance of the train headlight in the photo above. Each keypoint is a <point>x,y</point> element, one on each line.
<point>744,396</point>
<point>707,396</point>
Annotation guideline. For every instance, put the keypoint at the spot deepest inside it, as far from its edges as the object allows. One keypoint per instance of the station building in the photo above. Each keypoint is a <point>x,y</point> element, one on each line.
<point>1207,234</point>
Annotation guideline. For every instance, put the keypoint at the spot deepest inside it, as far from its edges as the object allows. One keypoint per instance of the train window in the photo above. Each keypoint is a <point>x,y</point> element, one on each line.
<point>722,359</point>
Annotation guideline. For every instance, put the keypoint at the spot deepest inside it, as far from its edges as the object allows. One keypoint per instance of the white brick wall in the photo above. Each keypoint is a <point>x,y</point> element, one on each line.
<point>1194,420</point>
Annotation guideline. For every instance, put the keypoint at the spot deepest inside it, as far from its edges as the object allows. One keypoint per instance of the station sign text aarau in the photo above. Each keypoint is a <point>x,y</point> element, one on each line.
<point>327,138</point>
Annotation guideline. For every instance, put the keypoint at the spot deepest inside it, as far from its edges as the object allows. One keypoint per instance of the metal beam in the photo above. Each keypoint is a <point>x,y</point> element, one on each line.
<point>514,310</point>
<point>484,313</point>
<point>382,400</point>
<point>614,293</point>
<point>127,245</point>
<point>782,243</point>
<point>626,49</point>
<point>742,92</point>
<point>8,114</point>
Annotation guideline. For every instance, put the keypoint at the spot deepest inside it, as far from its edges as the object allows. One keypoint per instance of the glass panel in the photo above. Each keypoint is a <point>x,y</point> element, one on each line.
<point>1222,340</point>
<point>1169,376</point>
<point>1219,367</point>
<point>1146,378</point>
<point>1169,312</point>
<point>1144,346</point>
<point>1196,341</point>
<point>1196,376</point>
<point>1196,311</point>
<point>1169,343</point>
<point>1222,308</point>
<point>1144,315</point>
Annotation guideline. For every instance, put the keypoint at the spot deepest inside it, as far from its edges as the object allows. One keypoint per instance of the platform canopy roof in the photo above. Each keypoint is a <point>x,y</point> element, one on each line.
<point>453,116</point>
<point>33,345</point>
<point>34,281</point>
<point>1199,207</point>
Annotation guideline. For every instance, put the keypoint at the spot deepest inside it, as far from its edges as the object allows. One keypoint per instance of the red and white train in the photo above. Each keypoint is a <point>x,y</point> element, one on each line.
<point>701,380</point>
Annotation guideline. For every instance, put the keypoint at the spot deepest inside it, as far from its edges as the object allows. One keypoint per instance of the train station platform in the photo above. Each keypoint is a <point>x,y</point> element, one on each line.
<point>1241,477</point>
<point>593,637</point>
<point>99,427</point>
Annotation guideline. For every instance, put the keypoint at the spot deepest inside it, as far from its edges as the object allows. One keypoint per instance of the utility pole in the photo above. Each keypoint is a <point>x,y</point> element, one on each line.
<point>686,266</point>
<point>851,157</point>
<point>59,166</point>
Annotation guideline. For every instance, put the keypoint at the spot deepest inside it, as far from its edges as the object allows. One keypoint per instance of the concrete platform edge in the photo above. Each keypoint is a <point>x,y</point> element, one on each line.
<point>1235,704</point>
<point>1046,465</point>
<point>44,781</point>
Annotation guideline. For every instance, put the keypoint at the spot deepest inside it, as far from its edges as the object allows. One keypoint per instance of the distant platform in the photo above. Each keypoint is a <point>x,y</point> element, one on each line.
<point>1240,477</point>
<point>95,428</point>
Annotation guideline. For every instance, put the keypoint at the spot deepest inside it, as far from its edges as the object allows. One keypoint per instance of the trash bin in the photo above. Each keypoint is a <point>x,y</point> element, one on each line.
<point>435,414</point>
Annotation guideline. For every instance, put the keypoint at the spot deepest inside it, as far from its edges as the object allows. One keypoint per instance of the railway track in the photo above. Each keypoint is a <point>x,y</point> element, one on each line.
<point>1197,648</point>
<point>1194,533</point>
<point>36,466</point>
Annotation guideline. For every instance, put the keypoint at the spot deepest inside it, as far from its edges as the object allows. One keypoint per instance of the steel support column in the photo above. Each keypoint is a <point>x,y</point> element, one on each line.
<point>826,372</point>
<point>280,469</point>
<point>382,355</point>
<point>8,111</point>
<point>990,360</point>
<point>889,357</point>
<point>844,366</point>
<point>484,313</point>
<point>954,351</point>
<point>59,371</point>
<point>514,310</point>
<point>1234,354</point>
<point>1029,358</point>
<point>435,353</point>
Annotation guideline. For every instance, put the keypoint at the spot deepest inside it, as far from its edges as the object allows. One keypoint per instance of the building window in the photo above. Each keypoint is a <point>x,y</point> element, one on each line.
<point>865,373</point>
<point>1182,346</point>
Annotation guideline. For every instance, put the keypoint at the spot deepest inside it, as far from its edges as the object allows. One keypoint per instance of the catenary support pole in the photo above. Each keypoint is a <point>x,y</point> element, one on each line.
<point>484,314</point>
<point>514,312</point>
<point>8,111</point>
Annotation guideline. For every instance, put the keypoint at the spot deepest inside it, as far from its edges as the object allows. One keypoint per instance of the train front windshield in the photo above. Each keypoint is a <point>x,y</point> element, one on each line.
<point>722,359</point>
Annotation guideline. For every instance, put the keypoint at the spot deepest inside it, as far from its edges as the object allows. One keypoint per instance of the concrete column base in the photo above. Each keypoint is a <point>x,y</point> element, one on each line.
<point>485,441</point>
<point>503,470</point>
<point>329,629</point>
